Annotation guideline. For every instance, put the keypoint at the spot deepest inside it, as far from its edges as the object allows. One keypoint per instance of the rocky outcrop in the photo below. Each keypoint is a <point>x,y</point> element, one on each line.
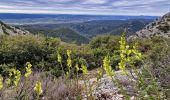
<point>160,27</point>
<point>106,89</point>
<point>10,30</point>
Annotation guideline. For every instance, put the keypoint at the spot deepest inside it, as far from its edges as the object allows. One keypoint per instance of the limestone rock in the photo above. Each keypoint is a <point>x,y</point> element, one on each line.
<point>10,30</point>
<point>160,27</point>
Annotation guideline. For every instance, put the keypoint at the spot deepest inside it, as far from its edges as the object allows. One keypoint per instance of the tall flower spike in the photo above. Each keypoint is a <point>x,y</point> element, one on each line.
<point>138,55</point>
<point>17,77</point>
<point>69,62</point>
<point>124,54</point>
<point>107,66</point>
<point>84,69</point>
<point>1,82</point>
<point>28,69</point>
<point>38,88</point>
<point>59,59</point>
<point>77,67</point>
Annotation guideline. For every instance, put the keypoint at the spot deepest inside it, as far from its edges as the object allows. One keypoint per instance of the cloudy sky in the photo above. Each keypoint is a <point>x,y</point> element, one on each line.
<point>103,7</point>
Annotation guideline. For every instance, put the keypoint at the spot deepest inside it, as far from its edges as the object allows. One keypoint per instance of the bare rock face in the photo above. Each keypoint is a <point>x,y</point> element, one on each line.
<point>160,27</point>
<point>9,30</point>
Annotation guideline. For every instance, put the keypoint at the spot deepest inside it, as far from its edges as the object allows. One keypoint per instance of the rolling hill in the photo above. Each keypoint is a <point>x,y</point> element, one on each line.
<point>65,34</point>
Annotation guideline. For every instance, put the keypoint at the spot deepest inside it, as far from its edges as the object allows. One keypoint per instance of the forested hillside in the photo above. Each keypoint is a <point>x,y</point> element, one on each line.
<point>65,34</point>
<point>93,28</point>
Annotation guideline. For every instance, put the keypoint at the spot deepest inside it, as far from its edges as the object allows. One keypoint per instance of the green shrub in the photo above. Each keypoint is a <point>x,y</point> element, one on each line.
<point>17,50</point>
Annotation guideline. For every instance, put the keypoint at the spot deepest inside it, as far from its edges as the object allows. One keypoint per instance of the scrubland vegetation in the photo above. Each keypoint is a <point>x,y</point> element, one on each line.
<point>37,67</point>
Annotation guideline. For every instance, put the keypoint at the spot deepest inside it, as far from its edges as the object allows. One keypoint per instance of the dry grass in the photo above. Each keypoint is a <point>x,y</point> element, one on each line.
<point>53,89</point>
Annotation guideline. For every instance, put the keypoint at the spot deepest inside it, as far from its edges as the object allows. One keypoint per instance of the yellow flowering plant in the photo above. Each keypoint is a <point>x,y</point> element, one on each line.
<point>28,72</point>
<point>59,58</point>
<point>38,89</point>
<point>84,69</point>
<point>17,77</point>
<point>28,69</point>
<point>1,82</point>
<point>69,62</point>
<point>77,68</point>
<point>107,66</point>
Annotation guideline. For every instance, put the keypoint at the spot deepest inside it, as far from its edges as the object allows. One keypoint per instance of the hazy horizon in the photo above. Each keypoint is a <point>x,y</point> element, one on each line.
<point>87,7</point>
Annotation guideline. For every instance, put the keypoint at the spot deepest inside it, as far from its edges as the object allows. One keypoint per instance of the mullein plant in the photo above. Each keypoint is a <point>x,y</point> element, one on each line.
<point>28,72</point>
<point>124,54</point>
<point>69,63</point>
<point>38,89</point>
<point>1,87</point>
<point>17,76</point>
<point>1,82</point>
<point>59,60</point>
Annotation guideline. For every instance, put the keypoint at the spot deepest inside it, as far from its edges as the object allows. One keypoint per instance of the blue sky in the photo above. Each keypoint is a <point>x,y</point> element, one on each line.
<point>103,7</point>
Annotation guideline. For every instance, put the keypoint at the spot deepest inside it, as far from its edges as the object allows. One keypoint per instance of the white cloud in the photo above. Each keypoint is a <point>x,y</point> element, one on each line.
<point>6,7</point>
<point>104,7</point>
<point>95,1</point>
<point>135,2</point>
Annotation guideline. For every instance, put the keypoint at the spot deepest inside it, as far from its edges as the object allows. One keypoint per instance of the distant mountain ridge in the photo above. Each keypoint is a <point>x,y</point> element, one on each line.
<point>160,27</point>
<point>21,19</point>
<point>10,30</point>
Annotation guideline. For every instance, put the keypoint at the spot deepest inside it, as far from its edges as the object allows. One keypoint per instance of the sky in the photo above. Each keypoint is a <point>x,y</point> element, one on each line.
<point>94,7</point>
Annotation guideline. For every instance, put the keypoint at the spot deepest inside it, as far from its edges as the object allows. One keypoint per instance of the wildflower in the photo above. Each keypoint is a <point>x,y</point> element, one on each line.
<point>10,73</point>
<point>69,62</point>
<point>77,67</point>
<point>122,67</point>
<point>124,54</point>
<point>84,69</point>
<point>59,59</point>
<point>1,82</point>
<point>138,55</point>
<point>17,77</point>
<point>28,70</point>
<point>107,66</point>
<point>38,88</point>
